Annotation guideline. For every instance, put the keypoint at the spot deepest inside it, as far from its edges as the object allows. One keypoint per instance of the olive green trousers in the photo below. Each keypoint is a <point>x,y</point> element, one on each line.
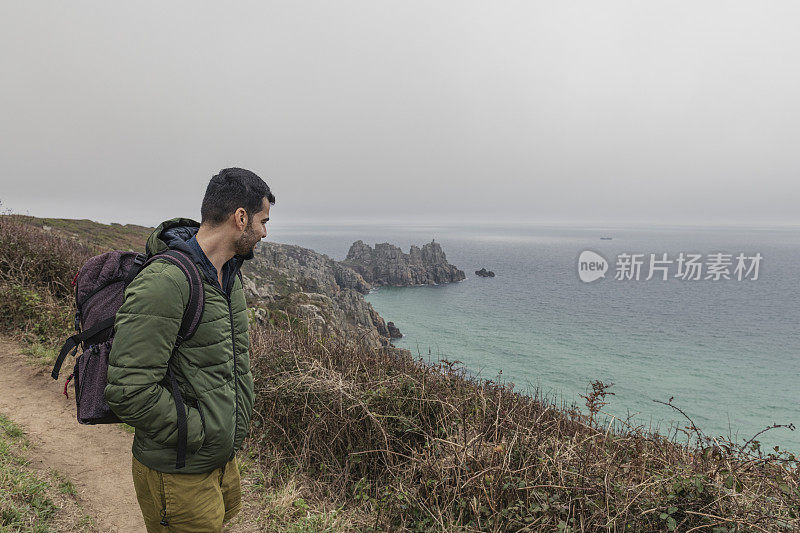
<point>196,503</point>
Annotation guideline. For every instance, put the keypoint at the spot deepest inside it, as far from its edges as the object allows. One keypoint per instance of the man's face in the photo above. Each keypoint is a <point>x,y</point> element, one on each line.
<point>255,231</point>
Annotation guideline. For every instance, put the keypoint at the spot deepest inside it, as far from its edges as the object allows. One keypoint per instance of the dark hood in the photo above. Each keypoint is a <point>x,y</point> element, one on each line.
<point>174,234</point>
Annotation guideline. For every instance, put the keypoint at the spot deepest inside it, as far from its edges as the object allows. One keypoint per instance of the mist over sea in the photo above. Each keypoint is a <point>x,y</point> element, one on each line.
<point>728,351</point>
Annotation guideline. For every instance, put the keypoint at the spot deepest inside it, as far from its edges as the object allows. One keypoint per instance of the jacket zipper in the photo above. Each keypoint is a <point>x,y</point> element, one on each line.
<point>235,379</point>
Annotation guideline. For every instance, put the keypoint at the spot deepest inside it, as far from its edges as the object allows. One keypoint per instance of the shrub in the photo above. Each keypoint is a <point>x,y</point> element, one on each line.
<point>428,447</point>
<point>36,272</point>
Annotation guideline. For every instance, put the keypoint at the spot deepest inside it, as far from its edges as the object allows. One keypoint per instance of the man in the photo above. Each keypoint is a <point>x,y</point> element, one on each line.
<point>212,368</point>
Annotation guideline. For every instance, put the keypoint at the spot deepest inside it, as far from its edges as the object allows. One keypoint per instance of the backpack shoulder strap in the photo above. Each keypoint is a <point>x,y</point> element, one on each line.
<point>194,309</point>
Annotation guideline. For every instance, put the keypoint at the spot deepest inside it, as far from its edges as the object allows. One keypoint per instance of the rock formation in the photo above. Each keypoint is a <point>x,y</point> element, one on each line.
<point>386,264</point>
<point>393,331</point>
<point>328,296</point>
<point>324,294</point>
<point>485,273</point>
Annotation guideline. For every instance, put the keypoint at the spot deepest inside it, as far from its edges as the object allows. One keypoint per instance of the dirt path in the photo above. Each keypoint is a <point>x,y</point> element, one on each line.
<point>97,459</point>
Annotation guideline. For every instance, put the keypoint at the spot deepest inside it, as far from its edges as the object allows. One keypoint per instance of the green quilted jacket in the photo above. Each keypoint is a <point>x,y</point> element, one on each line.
<point>212,367</point>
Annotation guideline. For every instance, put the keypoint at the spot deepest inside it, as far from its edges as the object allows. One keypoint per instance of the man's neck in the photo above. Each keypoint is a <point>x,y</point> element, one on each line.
<point>216,248</point>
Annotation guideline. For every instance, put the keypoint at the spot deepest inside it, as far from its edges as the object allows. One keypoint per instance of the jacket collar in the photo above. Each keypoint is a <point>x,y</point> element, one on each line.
<point>175,233</point>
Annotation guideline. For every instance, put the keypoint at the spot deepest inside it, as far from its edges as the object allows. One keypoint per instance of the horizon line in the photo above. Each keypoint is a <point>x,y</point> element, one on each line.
<point>421,222</point>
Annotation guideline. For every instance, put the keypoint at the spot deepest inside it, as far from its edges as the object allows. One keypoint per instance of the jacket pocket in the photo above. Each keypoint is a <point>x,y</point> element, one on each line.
<point>247,399</point>
<point>196,428</point>
<point>219,415</point>
<point>202,416</point>
<point>202,422</point>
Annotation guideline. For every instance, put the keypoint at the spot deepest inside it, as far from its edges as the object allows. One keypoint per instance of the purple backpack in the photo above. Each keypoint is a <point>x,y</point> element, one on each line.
<point>99,291</point>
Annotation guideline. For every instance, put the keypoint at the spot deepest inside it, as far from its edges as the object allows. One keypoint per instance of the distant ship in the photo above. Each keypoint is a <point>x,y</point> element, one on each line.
<point>605,238</point>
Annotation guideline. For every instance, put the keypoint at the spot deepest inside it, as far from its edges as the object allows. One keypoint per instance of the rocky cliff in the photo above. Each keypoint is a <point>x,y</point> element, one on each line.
<point>324,294</point>
<point>386,264</point>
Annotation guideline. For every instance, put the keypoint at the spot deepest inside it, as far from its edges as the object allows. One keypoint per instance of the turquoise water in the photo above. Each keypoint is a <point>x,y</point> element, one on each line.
<point>727,351</point>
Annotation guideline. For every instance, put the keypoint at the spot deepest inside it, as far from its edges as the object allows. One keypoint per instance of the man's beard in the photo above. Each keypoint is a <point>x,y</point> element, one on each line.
<point>246,244</point>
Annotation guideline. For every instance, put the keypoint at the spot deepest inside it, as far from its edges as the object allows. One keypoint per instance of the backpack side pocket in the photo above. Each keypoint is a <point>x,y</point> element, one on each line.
<point>92,371</point>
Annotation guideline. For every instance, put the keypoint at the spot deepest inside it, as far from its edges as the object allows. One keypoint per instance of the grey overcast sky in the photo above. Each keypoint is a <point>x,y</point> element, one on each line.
<point>548,111</point>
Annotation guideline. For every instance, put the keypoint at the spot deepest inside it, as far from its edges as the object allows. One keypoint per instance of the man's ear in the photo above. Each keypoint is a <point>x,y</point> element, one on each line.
<point>240,218</point>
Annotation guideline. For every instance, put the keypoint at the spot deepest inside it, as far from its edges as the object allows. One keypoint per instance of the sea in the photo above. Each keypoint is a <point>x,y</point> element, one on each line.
<point>719,338</point>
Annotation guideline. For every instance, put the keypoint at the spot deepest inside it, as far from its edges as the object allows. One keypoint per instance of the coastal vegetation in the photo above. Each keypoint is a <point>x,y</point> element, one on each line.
<point>42,502</point>
<point>346,436</point>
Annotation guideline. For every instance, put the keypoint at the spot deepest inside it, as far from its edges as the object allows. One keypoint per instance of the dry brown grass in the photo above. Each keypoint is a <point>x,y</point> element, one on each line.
<point>421,447</point>
<point>38,259</point>
<point>37,300</point>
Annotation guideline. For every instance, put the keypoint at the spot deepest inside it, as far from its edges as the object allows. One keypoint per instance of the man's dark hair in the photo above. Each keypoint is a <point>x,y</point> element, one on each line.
<point>231,189</point>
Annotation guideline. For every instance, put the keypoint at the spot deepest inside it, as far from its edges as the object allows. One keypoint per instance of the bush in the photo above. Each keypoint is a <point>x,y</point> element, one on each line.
<point>427,447</point>
<point>36,272</point>
<point>38,259</point>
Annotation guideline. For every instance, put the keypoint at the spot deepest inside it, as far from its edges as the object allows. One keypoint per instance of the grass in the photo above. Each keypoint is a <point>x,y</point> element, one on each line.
<point>65,486</point>
<point>29,500</point>
<point>273,503</point>
<point>101,236</point>
<point>12,433</point>
<point>404,445</point>
<point>40,354</point>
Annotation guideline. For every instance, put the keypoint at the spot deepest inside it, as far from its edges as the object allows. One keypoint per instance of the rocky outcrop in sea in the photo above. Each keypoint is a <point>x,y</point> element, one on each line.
<point>386,264</point>
<point>394,332</point>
